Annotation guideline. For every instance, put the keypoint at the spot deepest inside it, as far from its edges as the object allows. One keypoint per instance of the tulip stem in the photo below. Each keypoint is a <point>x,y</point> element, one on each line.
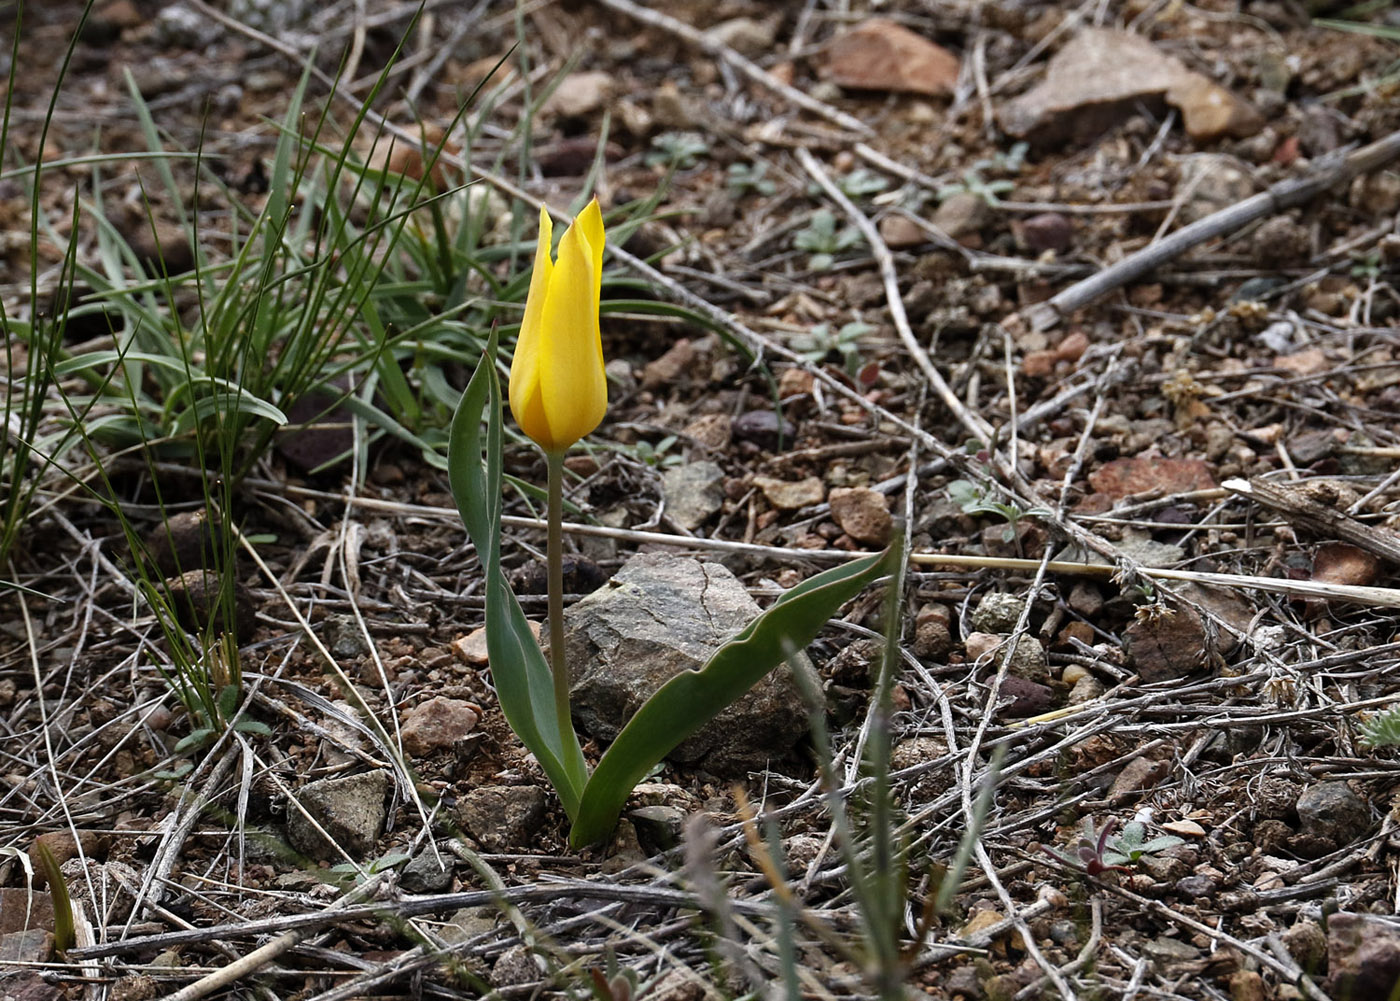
<point>554,554</point>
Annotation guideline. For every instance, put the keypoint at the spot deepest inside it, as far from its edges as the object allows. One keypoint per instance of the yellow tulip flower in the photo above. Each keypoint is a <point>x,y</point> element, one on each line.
<point>558,392</point>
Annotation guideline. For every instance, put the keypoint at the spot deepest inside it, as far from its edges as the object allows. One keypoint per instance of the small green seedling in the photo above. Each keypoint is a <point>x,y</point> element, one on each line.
<point>1366,266</point>
<point>819,343</point>
<point>1382,729</point>
<point>348,874</point>
<point>745,178</point>
<point>677,150</point>
<point>218,672</point>
<point>1094,853</point>
<point>823,240</point>
<point>861,183</point>
<point>989,191</point>
<point>658,456</point>
<point>615,982</point>
<point>1091,853</point>
<point>974,500</point>
<point>1133,844</point>
<point>64,926</point>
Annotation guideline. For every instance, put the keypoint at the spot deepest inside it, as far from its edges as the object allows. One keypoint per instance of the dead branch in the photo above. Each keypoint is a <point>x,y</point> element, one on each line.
<point>1318,518</point>
<point>1329,172</point>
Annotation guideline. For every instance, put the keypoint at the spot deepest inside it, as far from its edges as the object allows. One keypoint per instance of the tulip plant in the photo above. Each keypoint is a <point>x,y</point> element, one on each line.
<point>558,394</point>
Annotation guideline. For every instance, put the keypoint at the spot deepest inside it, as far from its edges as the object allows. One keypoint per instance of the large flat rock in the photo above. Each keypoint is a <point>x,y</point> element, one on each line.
<point>660,615</point>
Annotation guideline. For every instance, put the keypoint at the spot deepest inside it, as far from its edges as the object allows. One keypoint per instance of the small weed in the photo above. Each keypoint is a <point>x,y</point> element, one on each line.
<point>677,150</point>
<point>989,191</point>
<point>821,342</point>
<point>1382,729</point>
<point>974,500</point>
<point>1091,853</point>
<point>348,874</point>
<point>1133,844</point>
<point>218,676</point>
<point>859,183</point>
<point>745,178</point>
<point>1095,853</point>
<point>64,925</point>
<point>1366,266</point>
<point>1153,611</point>
<point>615,983</point>
<point>823,240</point>
<point>659,455</point>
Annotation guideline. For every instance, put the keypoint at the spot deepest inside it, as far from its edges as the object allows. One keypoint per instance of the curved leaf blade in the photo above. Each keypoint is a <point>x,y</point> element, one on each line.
<point>522,677</point>
<point>692,698</point>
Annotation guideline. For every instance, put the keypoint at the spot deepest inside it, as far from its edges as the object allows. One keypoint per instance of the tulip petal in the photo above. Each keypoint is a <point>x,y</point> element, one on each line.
<point>573,387</point>
<point>525,401</point>
<point>590,223</point>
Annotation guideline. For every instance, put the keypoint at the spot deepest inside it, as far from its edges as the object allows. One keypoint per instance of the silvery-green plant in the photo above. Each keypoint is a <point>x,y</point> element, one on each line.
<point>823,239</point>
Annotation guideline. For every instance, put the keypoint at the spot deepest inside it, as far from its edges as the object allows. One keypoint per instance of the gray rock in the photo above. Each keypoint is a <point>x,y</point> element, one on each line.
<point>1086,689</point>
<point>663,614</point>
<point>343,637</point>
<point>1148,551</point>
<point>1319,130</point>
<point>350,809</point>
<point>1028,660</point>
<point>515,967</point>
<point>1330,811</point>
<point>692,492</point>
<point>746,36</point>
<point>269,15</point>
<point>659,826</point>
<point>25,985</point>
<point>998,613</point>
<point>1306,942</point>
<point>469,923</point>
<point>962,214</point>
<point>427,873</point>
<point>502,817</point>
<point>1164,868</point>
<point>179,25</point>
<point>35,945</point>
<point>1195,887</point>
<point>1166,950</point>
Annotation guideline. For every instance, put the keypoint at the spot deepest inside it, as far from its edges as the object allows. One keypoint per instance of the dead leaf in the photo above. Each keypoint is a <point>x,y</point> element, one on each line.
<point>1342,563</point>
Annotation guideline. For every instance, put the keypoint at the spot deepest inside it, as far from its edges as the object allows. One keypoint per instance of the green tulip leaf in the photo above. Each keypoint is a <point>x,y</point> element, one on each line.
<point>64,926</point>
<point>692,698</point>
<point>524,683</point>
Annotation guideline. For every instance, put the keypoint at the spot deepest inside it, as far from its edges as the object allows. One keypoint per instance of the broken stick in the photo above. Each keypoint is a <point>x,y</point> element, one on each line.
<point>1331,170</point>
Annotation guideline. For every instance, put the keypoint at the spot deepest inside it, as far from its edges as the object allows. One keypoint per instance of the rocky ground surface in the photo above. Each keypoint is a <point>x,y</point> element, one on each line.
<point>891,206</point>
